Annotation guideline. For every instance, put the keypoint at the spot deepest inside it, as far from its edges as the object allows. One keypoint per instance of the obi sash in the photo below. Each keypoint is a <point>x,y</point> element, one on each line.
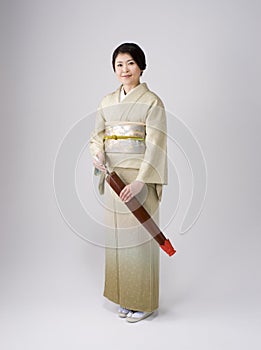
<point>125,137</point>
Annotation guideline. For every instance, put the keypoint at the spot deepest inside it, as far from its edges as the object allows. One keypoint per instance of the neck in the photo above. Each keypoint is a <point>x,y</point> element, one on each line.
<point>128,88</point>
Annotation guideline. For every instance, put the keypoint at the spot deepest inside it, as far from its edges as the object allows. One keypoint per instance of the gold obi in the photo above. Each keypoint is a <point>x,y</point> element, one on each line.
<point>124,137</point>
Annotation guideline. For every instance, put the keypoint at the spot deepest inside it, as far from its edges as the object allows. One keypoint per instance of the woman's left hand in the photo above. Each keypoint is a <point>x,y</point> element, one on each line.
<point>131,190</point>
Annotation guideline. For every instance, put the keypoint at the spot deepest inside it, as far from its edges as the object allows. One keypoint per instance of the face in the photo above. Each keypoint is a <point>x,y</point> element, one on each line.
<point>127,70</point>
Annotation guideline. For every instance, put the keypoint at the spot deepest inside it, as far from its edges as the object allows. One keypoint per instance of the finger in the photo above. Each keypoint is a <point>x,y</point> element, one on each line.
<point>96,160</point>
<point>128,198</point>
<point>125,196</point>
<point>125,190</point>
<point>100,167</point>
<point>96,164</point>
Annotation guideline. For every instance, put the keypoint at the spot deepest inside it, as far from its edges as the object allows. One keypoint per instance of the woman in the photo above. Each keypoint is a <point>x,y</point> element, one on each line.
<point>130,138</point>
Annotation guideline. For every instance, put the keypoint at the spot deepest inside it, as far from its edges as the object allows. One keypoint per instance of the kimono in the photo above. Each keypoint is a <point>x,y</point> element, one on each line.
<point>138,151</point>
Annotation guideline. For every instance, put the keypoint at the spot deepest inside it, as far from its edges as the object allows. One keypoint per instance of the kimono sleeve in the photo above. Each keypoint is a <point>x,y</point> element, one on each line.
<point>153,168</point>
<point>96,138</point>
<point>96,144</point>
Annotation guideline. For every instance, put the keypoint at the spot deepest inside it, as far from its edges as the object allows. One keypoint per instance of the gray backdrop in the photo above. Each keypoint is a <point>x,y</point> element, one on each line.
<point>204,62</point>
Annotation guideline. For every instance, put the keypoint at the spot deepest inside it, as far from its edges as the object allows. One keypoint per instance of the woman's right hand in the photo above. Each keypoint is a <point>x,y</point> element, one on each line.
<point>99,161</point>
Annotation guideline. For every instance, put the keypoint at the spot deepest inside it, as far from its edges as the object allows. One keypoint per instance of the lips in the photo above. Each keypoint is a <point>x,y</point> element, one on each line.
<point>126,76</point>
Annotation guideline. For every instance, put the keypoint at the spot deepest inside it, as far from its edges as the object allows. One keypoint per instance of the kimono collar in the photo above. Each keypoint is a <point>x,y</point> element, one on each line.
<point>134,94</point>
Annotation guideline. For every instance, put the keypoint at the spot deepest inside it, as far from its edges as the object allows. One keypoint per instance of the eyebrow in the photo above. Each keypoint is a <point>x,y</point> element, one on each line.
<point>126,61</point>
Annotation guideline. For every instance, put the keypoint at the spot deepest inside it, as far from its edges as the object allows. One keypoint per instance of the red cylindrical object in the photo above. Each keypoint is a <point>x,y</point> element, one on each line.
<point>141,214</point>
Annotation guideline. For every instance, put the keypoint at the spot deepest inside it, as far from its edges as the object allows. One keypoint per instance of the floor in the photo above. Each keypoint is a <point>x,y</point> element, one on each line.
<point>71,323</point>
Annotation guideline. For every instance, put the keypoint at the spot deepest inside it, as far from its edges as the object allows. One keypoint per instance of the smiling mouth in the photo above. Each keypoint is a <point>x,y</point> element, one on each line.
<point>126,76</point>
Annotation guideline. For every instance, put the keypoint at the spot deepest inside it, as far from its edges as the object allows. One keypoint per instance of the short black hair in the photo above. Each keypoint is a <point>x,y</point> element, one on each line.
<point>134,51</point>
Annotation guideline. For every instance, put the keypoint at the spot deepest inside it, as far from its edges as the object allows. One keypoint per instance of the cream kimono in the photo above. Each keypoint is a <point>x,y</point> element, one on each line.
<point>136,152</point>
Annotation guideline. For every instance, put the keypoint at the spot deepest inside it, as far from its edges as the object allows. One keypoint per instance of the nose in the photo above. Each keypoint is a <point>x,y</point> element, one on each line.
<point>125,68</point>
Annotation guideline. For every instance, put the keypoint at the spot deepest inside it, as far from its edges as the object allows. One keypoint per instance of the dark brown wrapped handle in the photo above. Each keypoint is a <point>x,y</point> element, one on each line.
<point>141,214</point>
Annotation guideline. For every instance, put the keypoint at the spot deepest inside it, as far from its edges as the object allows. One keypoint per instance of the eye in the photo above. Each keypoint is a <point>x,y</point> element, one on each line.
<point>119,65</point>
<point>131,62</point>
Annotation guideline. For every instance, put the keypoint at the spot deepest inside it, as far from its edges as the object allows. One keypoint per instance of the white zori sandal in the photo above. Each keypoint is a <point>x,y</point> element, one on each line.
<point>122,312</point>
<point>137,316</point>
